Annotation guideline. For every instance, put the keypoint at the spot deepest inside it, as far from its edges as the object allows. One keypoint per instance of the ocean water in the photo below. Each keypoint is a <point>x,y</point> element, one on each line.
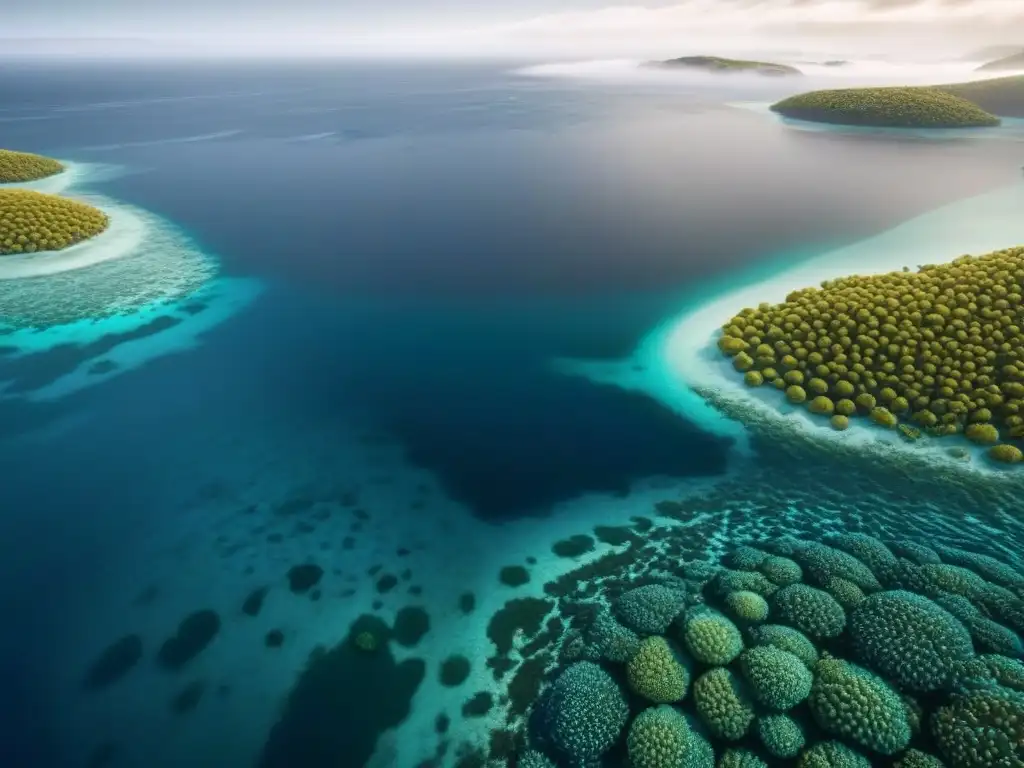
<point>368,384</point>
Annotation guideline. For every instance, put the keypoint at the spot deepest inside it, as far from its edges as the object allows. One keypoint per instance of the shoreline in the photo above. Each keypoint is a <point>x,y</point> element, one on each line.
<point>125,232</point>
<point>689,353</point>
<point>679,365</point>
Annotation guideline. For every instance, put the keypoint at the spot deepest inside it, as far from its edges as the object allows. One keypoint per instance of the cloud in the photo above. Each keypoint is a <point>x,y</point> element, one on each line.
<point>739,24</point>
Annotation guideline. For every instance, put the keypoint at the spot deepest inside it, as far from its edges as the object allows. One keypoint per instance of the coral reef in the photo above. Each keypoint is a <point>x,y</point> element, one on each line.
<point>32,221</point>
<point>895,107</point>
<point>940,347</point>
<point>586,711</point>
<point>917,666</point>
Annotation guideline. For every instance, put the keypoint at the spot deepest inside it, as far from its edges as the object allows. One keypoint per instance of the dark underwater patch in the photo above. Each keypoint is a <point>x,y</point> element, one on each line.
<point>30,372</point>
<point>253,603</point>
<point>411,624</point>
<point>195,632</point>
<point>114,662</point>
<point>341,703</point>
<point>574,546</point>
<point>274,638</point>
<point>188,697</point>
<point>513,575</point>
<point>454,671</point>
<point>302,578</point>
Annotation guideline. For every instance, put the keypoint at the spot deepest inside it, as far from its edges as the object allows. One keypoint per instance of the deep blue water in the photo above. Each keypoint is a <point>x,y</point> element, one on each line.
<point>431,238</point>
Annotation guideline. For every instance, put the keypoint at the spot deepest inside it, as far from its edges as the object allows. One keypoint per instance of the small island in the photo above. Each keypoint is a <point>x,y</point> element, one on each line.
<point>1000,96</point>
<point>890,107</point>
<point>1013,61</point>
<point>20,167</point>
<point>32,221</point>
<point>935,352</point>
<point>728,66</point>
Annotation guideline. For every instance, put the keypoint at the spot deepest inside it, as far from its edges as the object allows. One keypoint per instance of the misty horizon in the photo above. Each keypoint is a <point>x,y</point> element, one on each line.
<point>903,29</point>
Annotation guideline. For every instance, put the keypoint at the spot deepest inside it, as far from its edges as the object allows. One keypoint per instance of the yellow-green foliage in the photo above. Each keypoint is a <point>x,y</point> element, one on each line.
<point>17,167</point>
<point>31,221</point>
<point>916,107</point>
<point>1007,454</point>
<point>722,704</point>
<point>839,422</point>
<point>821,405</point>
<point>941,348</point>
<point>656,671</point>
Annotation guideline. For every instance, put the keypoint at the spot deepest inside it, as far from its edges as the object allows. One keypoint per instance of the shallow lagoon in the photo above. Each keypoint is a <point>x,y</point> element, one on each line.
<point>428,244</point>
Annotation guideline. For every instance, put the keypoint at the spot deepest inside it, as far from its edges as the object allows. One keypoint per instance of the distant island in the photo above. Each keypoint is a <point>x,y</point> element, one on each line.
<point>1001,96</point>
<point>1013,61</point>
<point>896,107</point>
<point>728,66</point>
<point>934,352</point>
<point>19,167</point>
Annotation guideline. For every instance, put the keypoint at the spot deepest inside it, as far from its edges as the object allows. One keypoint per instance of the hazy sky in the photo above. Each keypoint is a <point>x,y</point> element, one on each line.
<point>527,27</point>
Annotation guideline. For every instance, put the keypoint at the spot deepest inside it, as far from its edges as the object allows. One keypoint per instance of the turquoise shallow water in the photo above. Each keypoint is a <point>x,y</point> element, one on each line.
<point>364,395</point>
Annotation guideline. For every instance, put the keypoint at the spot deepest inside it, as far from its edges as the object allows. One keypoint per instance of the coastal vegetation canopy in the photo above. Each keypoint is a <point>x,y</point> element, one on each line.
<point>32,221</point>
<point>19,167</point>
<point>913,107</point>
<point>937,351</point>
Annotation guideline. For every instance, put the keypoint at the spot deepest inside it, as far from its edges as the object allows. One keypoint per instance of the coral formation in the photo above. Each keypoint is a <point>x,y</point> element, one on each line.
<point>787,639</point>
<point>909,639</point>
<point>781,735</point>
<point>778,679</point>
<point>650,609</point>
<point>906,679</point>
<point>940,348</point>
<point>657,671</point>
<point>813,611</point>
<point>890,107</point>
<point>982,727</point>
<point>849,701</point>
<point>661,737</point>
<point>586,711</point>
<point>710,637</point>
<point>723,704</point>
<point>32,221</point>
<point>19,167</point>
<point>747,606</point>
